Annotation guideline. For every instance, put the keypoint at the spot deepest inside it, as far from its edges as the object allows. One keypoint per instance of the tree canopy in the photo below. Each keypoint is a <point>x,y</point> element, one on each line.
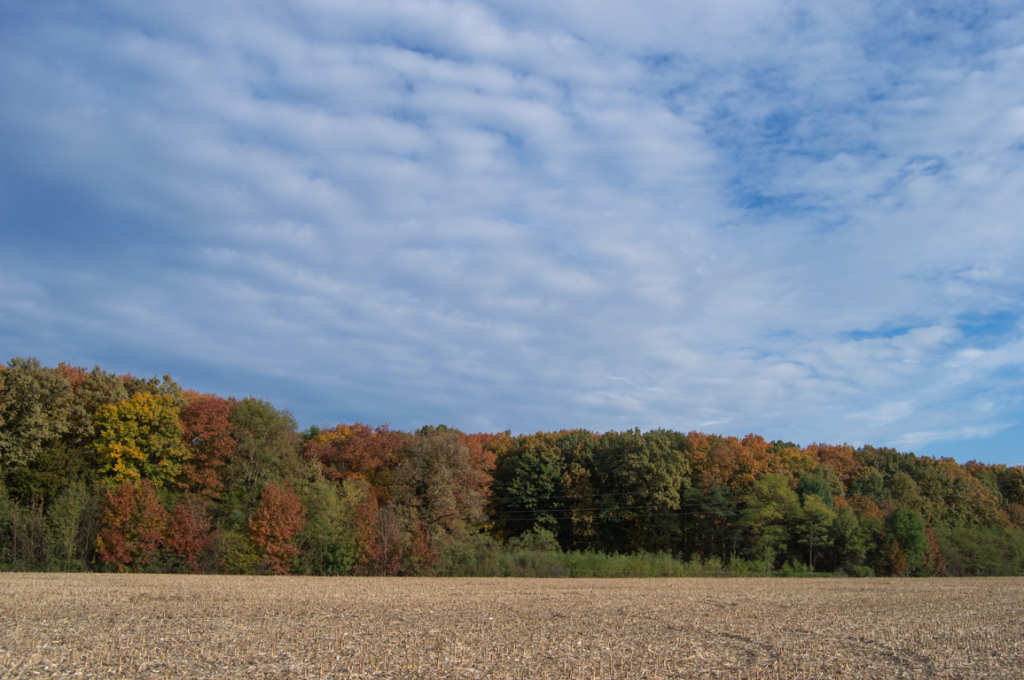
<point>108,472</point>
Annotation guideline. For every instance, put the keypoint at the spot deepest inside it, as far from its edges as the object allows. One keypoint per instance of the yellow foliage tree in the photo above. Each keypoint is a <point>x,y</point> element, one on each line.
<point>141,438</point>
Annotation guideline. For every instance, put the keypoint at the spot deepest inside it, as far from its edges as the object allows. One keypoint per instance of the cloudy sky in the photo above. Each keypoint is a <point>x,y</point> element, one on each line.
<point>804,220</point>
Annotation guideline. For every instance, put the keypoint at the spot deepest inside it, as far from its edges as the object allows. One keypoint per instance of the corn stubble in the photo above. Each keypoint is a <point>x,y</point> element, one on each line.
<point>94,625</point>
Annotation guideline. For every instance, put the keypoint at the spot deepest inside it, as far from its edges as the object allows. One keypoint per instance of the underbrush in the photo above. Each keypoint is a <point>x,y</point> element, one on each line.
<point>482,556</point>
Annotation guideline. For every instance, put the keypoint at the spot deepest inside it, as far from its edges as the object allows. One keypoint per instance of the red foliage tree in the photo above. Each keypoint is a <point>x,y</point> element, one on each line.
<point>1015,514</point>
<point>866,508</point>
<point>357,452</point>
<point>207,430</point>
<point>275,525</point>
<point>75,375</point>
<point>895,561</point>
<point>933,563</point>
<point>188,533</point>
<point>133,525</point>
<point>381,539</point>
<point>420,552</point>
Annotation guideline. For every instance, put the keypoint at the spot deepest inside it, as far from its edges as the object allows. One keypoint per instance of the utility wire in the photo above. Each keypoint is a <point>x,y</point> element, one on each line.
<point>625,507</point>
<point>604,517</point>
<point>547,498</point>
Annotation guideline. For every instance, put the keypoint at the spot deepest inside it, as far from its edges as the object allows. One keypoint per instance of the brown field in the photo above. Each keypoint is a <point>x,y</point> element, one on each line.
<point>232,626</point>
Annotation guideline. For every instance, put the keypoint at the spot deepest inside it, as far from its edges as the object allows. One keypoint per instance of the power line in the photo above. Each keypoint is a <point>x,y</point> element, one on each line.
<point>547,498</point>
<point>604,517</point>
<point>620,508</point>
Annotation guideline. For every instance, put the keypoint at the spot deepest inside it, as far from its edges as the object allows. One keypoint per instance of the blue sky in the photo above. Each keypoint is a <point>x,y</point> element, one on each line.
<point>795,219</point>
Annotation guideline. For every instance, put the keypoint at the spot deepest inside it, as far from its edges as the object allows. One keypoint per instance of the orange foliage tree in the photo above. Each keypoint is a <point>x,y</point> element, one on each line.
<point>206,430</point>
<point>381,539</point>
<point>188,532</point>
<point>275,525</point>
<point>356,451</point>
<point>728,461</point>
<point>484,449</point>
<point>842,460</point>
<point>133,526</point>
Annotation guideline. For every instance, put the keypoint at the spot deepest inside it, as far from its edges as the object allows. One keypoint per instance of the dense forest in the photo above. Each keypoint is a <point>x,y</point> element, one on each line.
<point>111,472</point>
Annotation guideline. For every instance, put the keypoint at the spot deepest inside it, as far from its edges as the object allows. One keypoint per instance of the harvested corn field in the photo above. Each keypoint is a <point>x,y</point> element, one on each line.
<point>223,626</point>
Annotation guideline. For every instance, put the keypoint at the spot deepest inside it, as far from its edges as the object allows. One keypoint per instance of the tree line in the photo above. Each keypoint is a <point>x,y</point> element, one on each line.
<point>100,471</point>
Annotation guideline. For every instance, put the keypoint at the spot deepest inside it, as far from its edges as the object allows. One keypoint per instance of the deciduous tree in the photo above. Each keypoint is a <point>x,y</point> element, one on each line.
<point>382,539</point>
<point>772,510</point>
<point>64,518</point>
<point>266,448</point>
<point>646,474</point>
<point>357,451</point>
<point>188,533</point>
<point>527,483</point>
<point>276,524</point>
<point>207,432</point>
<point>816,520</point>
<point>92,389</point>
<point>437,482</point>
<point>37,409</point>
<point>140,438</point>
<point>133,526</point>
<point>906,527</point>
<point>329,542</point>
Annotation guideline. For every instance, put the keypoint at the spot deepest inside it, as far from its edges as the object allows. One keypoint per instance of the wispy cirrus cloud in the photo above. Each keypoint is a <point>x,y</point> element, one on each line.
<point>774,217</point>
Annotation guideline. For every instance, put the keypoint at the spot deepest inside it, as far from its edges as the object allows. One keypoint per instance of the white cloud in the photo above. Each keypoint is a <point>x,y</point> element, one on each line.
<point>766,216</point>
